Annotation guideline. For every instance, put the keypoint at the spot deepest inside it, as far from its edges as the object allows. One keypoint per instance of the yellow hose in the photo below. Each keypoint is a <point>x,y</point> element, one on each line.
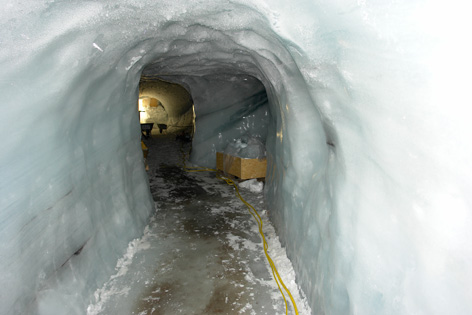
<point>257,217</point>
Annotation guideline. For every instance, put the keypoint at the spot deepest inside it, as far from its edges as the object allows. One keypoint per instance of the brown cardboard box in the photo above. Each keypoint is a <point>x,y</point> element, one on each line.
<point>242,168</point>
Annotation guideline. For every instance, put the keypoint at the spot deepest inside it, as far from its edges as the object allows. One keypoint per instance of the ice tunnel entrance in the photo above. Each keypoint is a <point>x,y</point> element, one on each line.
<point>225,107</point>
<point>165,107</point>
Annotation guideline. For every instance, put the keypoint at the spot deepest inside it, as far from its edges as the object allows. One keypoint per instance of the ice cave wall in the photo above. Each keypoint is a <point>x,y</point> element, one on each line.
<point>368,141</point>
<point>72,191</point>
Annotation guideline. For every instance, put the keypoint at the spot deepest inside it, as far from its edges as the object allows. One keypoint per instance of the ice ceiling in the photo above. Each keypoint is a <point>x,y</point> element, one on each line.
<point>368,140</point>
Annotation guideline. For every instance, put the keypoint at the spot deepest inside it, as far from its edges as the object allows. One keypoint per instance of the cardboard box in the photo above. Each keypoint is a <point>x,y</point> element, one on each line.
<point>242,168</point>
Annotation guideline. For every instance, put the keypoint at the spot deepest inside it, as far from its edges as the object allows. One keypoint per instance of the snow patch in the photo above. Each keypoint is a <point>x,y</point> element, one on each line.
<point>108,290</point>
<point>252,185</point>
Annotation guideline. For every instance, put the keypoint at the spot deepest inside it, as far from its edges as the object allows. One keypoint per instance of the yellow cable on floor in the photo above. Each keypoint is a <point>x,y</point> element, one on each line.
<point>256,217</point>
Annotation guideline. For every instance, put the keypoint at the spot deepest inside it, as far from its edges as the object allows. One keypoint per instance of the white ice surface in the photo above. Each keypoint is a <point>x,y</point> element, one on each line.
<point>246,147</point>
<point>252,185</point>
<point>368,141</point>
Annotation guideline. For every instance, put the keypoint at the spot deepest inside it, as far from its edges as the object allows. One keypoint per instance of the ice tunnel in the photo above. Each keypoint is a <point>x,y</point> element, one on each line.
<point>165,103</point>
<point>367,132</point>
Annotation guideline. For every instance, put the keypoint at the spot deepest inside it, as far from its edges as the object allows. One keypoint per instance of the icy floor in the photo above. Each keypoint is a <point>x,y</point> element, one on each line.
<point>201,252</point>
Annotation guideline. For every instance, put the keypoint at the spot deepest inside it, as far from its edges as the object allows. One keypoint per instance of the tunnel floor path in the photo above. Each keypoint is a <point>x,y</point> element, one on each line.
<point>201,252</point>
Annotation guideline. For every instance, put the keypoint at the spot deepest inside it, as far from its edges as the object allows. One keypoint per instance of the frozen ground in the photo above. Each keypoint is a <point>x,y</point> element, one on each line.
<point>201,252</point>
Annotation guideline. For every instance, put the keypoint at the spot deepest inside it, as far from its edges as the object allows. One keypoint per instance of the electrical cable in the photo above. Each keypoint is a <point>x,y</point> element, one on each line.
<point>257,217</point>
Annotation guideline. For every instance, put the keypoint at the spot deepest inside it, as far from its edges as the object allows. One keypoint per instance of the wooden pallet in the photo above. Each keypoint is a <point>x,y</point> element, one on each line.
<point>239,167</point>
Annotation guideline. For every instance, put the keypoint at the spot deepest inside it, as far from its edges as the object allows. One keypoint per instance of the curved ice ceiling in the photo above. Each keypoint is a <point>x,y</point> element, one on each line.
<point>368,142</point>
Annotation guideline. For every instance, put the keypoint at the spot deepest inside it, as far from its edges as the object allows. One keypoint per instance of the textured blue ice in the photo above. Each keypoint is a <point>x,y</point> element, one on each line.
<point>368,140</point>
<point>227,107</point>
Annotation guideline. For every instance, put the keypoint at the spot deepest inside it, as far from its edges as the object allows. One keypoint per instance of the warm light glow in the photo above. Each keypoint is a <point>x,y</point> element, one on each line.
<point>140,106</point>
<point>143,116</point>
